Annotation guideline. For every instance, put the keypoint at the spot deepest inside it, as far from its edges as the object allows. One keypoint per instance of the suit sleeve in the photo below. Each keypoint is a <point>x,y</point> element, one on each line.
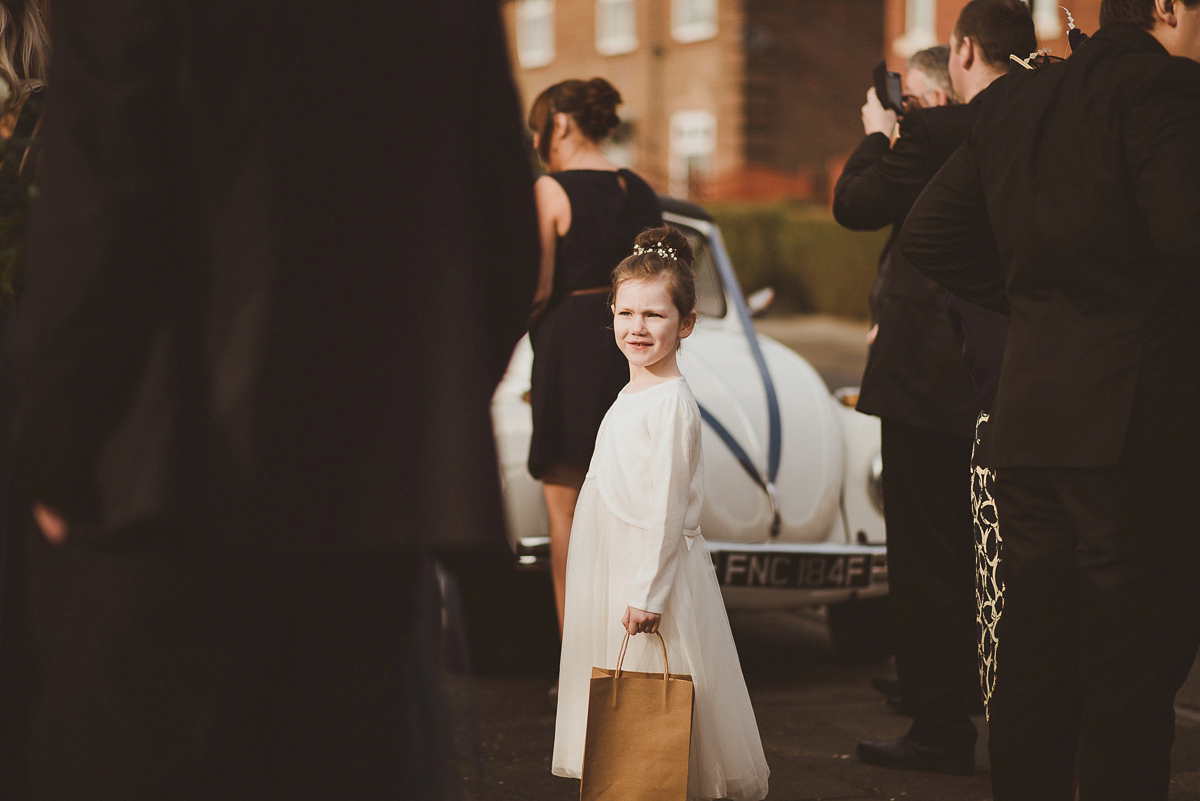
<point>674,459</point>
<point>1163,151</point>
<point>948,237</point>
<point>879,183</point>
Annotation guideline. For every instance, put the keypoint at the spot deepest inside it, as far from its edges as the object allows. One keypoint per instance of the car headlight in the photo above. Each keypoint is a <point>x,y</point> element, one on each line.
<point>875,481</point>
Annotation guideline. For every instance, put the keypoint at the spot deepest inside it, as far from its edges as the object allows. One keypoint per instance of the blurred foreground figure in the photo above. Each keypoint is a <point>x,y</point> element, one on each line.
<point>279,261</point>
<point>1074,205</point>
<point>24,54</point>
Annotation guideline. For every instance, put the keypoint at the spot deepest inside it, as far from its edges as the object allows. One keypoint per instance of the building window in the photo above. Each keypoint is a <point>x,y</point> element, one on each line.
<point>693,144</point>
<point>693,20</point>
<point>1046,19</point>
<point>616,27</point>
<point>920,27</point>
<point>535,32</point>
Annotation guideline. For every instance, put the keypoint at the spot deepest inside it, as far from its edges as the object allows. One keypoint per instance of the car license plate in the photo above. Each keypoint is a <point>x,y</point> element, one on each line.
<point>810,571</point>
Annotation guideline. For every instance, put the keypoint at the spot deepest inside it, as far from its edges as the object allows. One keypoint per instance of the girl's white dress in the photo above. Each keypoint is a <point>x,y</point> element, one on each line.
<point>636,542</point>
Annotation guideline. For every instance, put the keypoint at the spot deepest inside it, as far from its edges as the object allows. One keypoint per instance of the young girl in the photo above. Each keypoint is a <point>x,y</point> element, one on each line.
<point>637,561</point>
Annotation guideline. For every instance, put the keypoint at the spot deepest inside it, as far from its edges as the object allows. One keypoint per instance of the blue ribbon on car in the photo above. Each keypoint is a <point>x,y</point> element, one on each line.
<point>735,448</point>
<point>774,422</point>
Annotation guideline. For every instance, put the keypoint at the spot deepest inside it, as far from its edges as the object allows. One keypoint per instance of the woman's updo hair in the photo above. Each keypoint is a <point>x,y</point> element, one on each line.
<point>592,104</point>
<point>661,251</point>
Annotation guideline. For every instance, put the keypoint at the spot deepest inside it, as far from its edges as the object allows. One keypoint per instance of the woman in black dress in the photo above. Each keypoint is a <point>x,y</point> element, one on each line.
<point>589,212</point>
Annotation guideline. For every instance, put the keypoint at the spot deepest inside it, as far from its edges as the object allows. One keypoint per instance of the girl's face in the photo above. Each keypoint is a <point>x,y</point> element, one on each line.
<point>647,324</point>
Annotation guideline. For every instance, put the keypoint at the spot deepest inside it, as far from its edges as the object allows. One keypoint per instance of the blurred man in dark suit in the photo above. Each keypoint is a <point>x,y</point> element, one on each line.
<point>1074,205</point>
<point>917,383</point>
<point>279,261</point>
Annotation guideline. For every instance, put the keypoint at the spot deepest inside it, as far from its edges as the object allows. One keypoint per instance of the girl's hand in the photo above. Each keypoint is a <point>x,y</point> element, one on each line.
<point>636,621</point>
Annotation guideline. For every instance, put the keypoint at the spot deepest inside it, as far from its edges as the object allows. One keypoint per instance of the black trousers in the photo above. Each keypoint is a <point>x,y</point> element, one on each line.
<point>233,676</point>
<point>931,579</point>
<point>1101,624</point>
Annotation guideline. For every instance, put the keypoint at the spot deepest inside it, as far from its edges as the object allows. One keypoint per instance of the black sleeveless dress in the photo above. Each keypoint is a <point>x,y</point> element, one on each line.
<point>577,367</point>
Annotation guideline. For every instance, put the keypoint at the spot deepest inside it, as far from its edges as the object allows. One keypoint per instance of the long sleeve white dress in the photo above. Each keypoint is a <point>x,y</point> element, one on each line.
<point>636,542</point>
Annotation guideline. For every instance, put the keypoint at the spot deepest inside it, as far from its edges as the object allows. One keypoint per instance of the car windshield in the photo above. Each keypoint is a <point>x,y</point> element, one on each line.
<point>710,297</point>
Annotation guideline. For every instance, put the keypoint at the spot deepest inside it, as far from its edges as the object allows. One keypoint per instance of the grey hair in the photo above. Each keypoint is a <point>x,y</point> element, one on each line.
<point>934,63</point>
<point>24,47</point>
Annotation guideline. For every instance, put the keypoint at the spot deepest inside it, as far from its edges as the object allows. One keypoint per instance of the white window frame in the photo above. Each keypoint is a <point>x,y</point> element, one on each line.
<point>1047,22</point>
<point>535,32</point>
<point>610,42</point>
<point>693,20</point>
<point>693,135</point>
<point>920,28</point>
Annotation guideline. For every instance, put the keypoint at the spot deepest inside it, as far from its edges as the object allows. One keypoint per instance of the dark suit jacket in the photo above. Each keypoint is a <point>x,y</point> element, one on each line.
<point>279,261</point>
<point>915,371</point>
<point>1074,203</point>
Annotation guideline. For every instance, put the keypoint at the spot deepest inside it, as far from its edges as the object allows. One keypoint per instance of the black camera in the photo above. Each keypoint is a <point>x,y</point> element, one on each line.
<point>888,88</point>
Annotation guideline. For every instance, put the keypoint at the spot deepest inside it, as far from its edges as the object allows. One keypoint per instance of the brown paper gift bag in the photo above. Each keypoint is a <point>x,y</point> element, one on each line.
<point>639,733</point>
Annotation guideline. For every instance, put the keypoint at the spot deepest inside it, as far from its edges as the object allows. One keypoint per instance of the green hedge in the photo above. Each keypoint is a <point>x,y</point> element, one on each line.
<point>813,263</point>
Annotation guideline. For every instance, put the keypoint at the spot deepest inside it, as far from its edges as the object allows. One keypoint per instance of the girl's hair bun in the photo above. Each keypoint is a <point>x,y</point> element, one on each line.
<point>669,239</point>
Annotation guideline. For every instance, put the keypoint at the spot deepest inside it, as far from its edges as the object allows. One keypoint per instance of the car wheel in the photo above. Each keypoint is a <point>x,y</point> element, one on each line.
<point>859,629</point>
<point>509,619</point>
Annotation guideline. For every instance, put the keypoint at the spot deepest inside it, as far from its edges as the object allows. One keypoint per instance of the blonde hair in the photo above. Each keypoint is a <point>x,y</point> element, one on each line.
<point>24,46</point>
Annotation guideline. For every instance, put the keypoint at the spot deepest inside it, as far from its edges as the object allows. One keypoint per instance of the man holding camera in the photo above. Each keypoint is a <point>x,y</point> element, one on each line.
<point>917,384</point>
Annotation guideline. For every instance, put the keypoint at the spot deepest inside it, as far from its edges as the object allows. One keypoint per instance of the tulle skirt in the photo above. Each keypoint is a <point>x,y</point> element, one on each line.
<point>726,758</point>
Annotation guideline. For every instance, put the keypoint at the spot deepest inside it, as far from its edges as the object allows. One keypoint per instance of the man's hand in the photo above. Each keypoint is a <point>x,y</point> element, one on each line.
<point>876,118</point>
<point>52,524</point>
<point>636,621</point>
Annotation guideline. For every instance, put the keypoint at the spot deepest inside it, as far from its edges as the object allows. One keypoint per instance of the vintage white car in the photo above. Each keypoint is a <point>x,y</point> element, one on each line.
<point>792,510</point>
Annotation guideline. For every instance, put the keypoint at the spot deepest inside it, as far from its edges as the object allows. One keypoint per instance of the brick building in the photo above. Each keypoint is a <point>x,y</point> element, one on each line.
<point>738,99</point>
<point>723,98</point>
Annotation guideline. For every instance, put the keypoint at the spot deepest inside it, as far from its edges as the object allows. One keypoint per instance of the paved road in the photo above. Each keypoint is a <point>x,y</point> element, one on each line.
<point>812,707</point>
<point>812,704</point>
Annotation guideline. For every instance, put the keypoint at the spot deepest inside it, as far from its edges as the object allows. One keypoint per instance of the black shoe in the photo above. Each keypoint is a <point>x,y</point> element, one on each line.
<point>906,753</point>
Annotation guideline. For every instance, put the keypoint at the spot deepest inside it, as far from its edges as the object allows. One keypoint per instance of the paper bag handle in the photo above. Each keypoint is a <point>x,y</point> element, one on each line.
<point>661,643</point>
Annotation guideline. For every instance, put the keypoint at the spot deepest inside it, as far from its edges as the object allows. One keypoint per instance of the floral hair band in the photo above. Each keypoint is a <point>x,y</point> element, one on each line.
<point>662,252</point>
